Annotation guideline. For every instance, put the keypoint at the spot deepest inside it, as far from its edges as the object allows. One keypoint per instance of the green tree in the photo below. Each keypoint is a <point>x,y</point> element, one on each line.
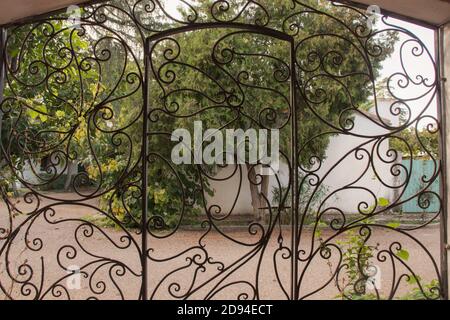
<point>414,143</point>
<point>79,97</point>
<point>232,79</point>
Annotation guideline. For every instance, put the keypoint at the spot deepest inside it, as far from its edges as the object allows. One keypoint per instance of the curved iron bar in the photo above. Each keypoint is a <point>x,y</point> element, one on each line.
<point>100,67</point>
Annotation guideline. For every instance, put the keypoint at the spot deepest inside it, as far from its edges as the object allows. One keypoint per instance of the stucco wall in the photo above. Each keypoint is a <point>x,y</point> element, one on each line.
<point>347,167</point>
<point>349,171</point>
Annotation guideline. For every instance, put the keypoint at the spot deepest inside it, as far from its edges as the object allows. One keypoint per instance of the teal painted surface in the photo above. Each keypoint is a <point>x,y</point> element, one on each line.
<point>420,168</point>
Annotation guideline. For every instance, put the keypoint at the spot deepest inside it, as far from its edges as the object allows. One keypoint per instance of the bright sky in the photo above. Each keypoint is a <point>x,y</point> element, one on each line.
<point>424,34</point>
<point>417,66</point>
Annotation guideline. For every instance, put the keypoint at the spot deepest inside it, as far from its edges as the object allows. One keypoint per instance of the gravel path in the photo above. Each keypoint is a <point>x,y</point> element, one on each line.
<point>224,266</point>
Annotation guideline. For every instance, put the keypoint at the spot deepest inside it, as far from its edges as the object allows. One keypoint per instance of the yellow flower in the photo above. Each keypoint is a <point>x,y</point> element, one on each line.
<point>60,114</point>
<point>81,132</point>
<point>92,172</point>
<point>160,196</point>
<point>113,165</point>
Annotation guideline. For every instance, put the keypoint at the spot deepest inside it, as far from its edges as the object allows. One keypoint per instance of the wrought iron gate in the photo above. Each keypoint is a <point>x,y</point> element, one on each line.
<point>94,207</point>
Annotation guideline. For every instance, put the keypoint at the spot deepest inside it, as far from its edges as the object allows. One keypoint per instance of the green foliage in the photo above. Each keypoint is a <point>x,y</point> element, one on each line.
<point>68,111</point>
<point>429,291</point>
<point>383,202</point>
<point>249,53</point>
<point>59,110</point>
<point>55,184</point>
<point>417,143</point>
<point>393,225</point>
<point>356,256</point>
<point>403,254</point>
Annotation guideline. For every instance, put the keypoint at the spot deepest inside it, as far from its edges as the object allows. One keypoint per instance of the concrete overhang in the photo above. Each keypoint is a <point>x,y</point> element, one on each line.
<point>429,12</point>
<point>16,10</point>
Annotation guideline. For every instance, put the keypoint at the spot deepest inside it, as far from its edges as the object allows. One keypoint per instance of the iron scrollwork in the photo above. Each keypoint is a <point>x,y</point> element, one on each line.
<point>95,105</point>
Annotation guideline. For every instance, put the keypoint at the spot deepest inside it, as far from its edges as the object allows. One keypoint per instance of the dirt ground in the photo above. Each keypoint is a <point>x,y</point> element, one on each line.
<point>188,264</point>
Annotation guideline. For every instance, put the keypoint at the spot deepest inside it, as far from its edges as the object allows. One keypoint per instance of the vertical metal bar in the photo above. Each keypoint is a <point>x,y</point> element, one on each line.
<point>3,36</point>
<point>2,62</point>
<point>294,176</point>
<point>144,295</point>
<point>443,115</point>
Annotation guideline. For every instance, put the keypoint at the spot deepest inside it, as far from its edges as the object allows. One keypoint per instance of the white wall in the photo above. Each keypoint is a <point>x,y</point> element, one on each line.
<point>32,171</point>
<point>227,192</point>
<point>354,169</point>
<point>350,172</point>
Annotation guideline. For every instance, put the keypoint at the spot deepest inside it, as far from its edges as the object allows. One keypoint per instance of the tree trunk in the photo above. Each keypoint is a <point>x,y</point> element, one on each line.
<point>70,172</point>
<point>258,192</point>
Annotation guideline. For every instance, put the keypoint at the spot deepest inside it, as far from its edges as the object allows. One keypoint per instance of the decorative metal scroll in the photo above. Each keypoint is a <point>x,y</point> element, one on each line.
<point>88,110</point>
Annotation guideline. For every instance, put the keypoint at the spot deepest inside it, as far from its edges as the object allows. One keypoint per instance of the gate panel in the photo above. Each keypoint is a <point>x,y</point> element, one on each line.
<point>70,161</point>
<point>239,241</point>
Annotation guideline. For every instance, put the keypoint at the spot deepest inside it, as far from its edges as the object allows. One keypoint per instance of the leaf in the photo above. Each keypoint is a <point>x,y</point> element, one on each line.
<point>33,114</point>
<point>383,202</point>
<point>41,108</point>
<point>318,233</point>
<point>60,114</point>
<point>43,117</point>
<point>94,88</point>
<point>393,225</point>
<point>403,254</point>
<point>37,111</point>
<point>413,280</point>
<point>14,52</point>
